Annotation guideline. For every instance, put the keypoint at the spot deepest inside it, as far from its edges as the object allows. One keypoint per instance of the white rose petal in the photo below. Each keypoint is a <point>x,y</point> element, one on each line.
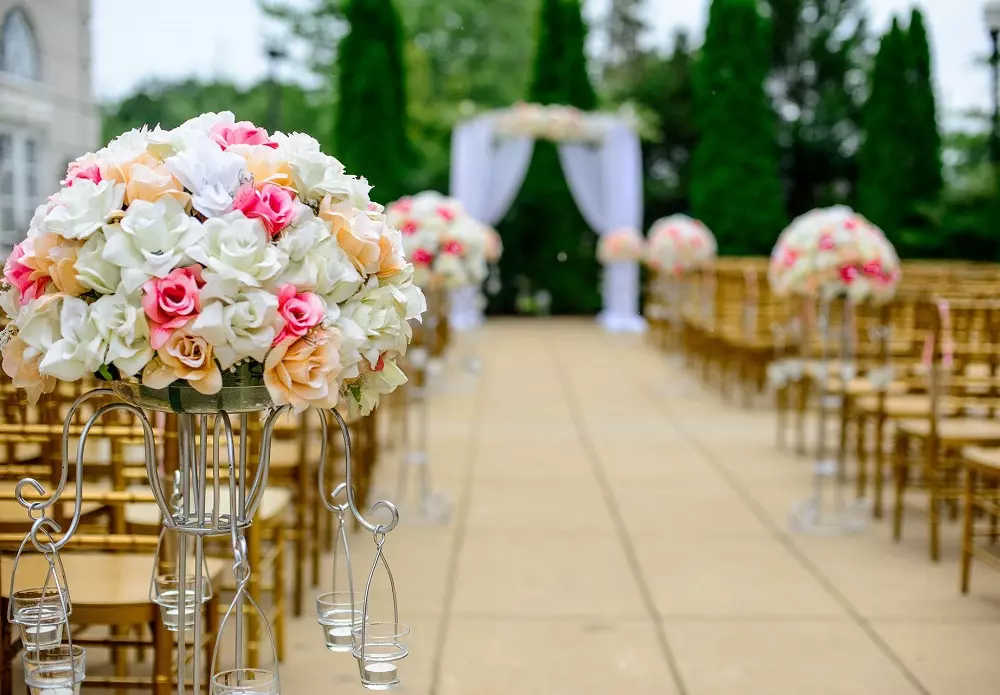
<point>206,121</point>
<point>93,271</point>
<point>237,248</point>
<point>121,323</point>
<point>243,328</point>
<point>151,240</point>
<point>82,208</point>
<point>211,174</point>
<point>80,349</point>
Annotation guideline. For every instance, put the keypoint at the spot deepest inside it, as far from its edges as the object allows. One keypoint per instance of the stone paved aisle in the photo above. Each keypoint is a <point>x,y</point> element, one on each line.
<point>619,530</point>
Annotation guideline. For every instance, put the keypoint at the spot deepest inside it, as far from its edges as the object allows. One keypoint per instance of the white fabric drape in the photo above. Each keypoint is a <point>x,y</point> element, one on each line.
<point>606,183</point>
<point>486,172</point>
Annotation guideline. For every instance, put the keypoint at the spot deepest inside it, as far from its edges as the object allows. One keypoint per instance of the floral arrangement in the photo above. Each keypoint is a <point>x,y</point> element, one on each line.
<point>212,255</point>
<point>620,245</point>
<point>554,122</point>
<point>445,244</point>
<point>679,244</point>
<point>494,245</point>
<point>832,252</point>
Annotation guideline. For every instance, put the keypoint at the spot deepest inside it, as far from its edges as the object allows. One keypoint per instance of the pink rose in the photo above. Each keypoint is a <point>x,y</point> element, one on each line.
<point>78,170</point>
<point>848,274</point>
<point>790,257</point>
<point>272,205</point>
<point>873,269</point>
<point>409,228</point>
<point>403,205</point>
<point>851,223</point>
<point>453,247</point>
<point>422,257</point>
<point>21,271</point>
<point>446,213</point>
<point>242,133</point>
<point>300,312</point>
<point>826,243</point>
<point>171,302</point>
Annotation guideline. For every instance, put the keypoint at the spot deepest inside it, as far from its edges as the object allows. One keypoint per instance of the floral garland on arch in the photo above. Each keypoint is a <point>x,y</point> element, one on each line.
<point>555,122</point>
<point>622,245</point>
<point>208,255</point>
<point>831,252</point>
<point>679,244</point>
<point>444,242</point>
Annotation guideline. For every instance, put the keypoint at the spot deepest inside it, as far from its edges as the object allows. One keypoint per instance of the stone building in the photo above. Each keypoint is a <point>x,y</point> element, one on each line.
<point>47,111</point>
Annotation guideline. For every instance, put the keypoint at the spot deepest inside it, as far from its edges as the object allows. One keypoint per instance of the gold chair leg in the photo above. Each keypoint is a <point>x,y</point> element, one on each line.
<point>901,469</point>
<point>879,465</point>
<point>163,658</point>
<point>967,530</point>
<point>279,589</point>
<point>861,447</point>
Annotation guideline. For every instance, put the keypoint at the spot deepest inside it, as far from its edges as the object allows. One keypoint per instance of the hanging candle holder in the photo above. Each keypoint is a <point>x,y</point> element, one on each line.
<point>165,589</point>
<point>240,680</point>
<point>42,614</point>
<point>339,611</point>
<point>378,644</point>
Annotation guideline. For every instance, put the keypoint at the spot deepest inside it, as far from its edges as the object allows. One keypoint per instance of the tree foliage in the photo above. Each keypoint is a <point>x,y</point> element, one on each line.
<point>370,126</point>
<point>735,188</point>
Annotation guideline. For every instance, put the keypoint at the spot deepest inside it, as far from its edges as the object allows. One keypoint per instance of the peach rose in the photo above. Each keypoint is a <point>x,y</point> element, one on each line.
<point>152,183</point>
<point>60,256</point>
<point>303,372</point>
<point>184,356</point>
<point>23,372</point>
<point>121,172</point>
<point>390,257</point>
<point>354,233</point>
<point>266,166</point>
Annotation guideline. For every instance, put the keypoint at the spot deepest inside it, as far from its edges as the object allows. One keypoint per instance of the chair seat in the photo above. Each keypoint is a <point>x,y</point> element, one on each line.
<point>955,430</point>
<point>908,405</point>
<point>983,459</point>
<point>860,386</point>
<point>276,500</point>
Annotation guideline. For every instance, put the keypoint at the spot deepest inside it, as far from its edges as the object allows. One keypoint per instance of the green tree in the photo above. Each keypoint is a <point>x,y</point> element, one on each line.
<point>370,126</point>
<point>883,194</point>
<point>735,188</point>
<point>923,175</point>
<point>547,244</point>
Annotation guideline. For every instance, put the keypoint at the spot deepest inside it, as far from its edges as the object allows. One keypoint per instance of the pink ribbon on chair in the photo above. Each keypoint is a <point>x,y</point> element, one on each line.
<point>751,300</point>
<point>947,339</point>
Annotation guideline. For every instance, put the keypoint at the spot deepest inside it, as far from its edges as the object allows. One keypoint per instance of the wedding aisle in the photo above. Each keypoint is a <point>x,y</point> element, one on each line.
<point>620,530</point>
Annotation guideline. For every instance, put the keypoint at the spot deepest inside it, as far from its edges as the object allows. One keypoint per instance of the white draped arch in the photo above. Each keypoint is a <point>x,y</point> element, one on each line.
<point>604,176</point>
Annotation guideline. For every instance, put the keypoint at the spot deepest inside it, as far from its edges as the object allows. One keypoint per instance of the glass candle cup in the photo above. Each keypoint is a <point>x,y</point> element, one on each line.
<point>338,613</point>
<point>41,614</point>
<point>168,598</point>
<point>245,681</point>
<point>56,671</point>
<point>382,647</point>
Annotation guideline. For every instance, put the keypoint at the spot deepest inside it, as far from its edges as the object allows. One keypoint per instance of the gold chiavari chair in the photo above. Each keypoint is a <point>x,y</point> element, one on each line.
<point>963,369</point>
<point>982,502</point>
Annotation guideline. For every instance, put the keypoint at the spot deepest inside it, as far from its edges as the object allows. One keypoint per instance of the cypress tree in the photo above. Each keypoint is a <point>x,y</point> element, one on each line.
<point>370,123</point>
<point>547,244</point>
<point>924,173</point>
<point>735,188</point>
<point>886,155</point>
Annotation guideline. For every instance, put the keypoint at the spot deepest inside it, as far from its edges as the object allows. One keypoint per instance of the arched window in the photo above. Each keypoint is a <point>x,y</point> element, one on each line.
<point>18,47</point>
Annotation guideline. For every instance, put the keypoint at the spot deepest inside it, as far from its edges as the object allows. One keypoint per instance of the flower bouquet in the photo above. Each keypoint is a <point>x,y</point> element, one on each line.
<point>446,245</point>
<point>831,252</point>
<point>208,256</point>
<point>555,122</point>
<point>679,244</point>
<point>622,245</point>
<point>494,246</point>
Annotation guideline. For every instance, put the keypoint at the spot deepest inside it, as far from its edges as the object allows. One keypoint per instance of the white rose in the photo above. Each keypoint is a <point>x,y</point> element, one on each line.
<point>352,340</point>
<point>121,323</point>
<point>123,149</point>
<point>307,233</point>
<point>358,191</point>
<point>315,175</point>
<point>326,270</point>
<point>364,395</point>
<point>166,143</point>
<point>206,121</point>
<point>211,174</point>
<point>92,270</point>
<point>380,312</point>
<point>10,303</point>
<point>80,349</point>
<point>295,144</point>
<point>237,248</point>
<point>151,240</point>
<point>243,328</point>
<point>82,208</point>
<point>39,324</point>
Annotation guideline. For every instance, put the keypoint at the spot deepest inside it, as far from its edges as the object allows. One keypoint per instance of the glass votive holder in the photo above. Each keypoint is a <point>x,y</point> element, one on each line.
<point>338,613</point>
<point>41,615</point>
<point>168,598</point>
<point>376,656</point>
<point>245,681</point>
<point>56,671</point>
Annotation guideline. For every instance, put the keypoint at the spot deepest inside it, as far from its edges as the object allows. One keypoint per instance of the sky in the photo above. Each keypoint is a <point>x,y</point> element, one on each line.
<point>228,37</point>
